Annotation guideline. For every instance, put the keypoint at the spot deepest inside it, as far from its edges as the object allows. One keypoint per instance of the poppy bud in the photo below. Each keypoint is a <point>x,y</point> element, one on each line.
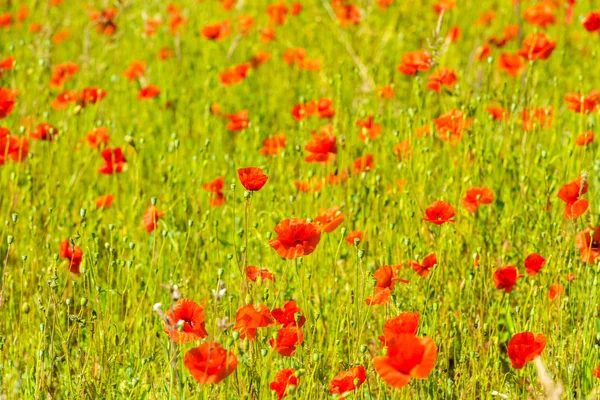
<point>25,308</point>
<point>264,352</point>
<point>111,227</point>
<point>190,223</point>
<point>361,253</point>
<point>220,272</point>
<point>229,256</point>
<point>10,239</point>
<point>363,348</point>
<point>14,217</point>
<point>165,233</point>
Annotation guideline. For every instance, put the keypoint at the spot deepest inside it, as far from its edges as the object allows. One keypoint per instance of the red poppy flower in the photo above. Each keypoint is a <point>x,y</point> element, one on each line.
<point>407,356</point>
<point>405,323</point>
<point>252,178</point>
<point>283,380</point>
<point>61,36</point>
<point>114,161</point>
<point>97,136</point>
<point>444,5</point>
<point>555,291</point>
<point>6,64</point>
<point>150,219</point>
<point>91,96</point>
<point>322,147</point>
<point>184,322</point>
<point>451,125</point>
<point>61,73</point>
<point>44,132</point>
<point>73,253</point>
<point>215,187</point>
<point>346,14</point>
<point>165,53</point>
<point>524,347</point>
<point>248,319</point>
<point>259,58</point>
<point>483,52</point>
<point>287,339</point>
<point>9,145</point>
<point>148,92</point>
<point>386,92</point>
<point>347,381</point>
<point>497,113</point>
<point>294,55</point>
<point>210,363</point>
<point>5,20</point>
<point>273,145</point>
<point>329,219</point>
<point>475,197</point>
<point>416,61</point>
<point>368,129</point>
<point>136,70</point>
<point>534,263</point>
<point>512,64</point>
<point>253,272</point>
<point>540,117</point>
<point>402,150</point>
<point>104,201</point>
<point>439,212</point>
<point>537,46</point>
<point>267,34</point>
<point>296,238</point>
<point>423,269</point>
<point>540,14</point>
<point>277,13</point>
<point>363,164</point>
<point>584,138</point>
<point>235,74</point>
<point>570,194</point>
<point>289,314</point>
<point>588,243</point>
<point>63,99</point>
<point>104,21</point>
<point>442,77</point>
<point>217,31</point>
<point>591,22</point>
<point>583,104</point>
<point>238,121</point>
<point>385,282</point>
<point>353,236</point>
<point>506,278</point>
<point>7,101</point>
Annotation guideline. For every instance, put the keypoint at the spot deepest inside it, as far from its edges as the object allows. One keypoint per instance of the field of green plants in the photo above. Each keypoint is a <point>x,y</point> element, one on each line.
<point>309,199</point>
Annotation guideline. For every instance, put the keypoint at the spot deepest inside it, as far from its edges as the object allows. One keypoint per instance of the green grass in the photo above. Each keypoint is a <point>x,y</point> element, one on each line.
<point>95,335</point>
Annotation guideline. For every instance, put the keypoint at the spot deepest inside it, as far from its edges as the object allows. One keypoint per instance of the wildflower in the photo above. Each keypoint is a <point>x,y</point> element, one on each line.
<point>416,61</point>
<point>252,178</point>
<point>587,242</point>
<point>104,201</point>
<point>347,381</point>
<point>248,319</point>
<point>506,278</point>
<point>439,212</point>
<point>368,129</point>
<point>296,238</point>
<point>210,363</point>
<point>405,323</point>
<point>475,197</point>
<point>185,322</point>
<point>114,161</point>
<point>329,219</point>
<point>151,216</point>
<point>283,380</point>
<point>534,263</point>
<point>425,266</point>
<point>73,253</point>
<point>570,194</point>
<point>524,347</point>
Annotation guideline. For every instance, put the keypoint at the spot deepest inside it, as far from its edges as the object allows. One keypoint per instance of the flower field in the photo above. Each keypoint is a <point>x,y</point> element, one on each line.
<point>303,199</point>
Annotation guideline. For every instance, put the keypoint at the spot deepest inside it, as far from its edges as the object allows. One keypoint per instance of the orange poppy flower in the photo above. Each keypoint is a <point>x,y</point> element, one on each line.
<point>325,108</point>
<point>346,14</point>
<point>217,31</point>
<point>407,357</point>
<point>35,27</point>
<point>583,104</point>
<point>570,194</point>
<point>425,266</point>
<point>267,34</point>
<point>165,53</point>
<point>534,263</point>
<point>248,319</point>
<point>540,117</point>
<point>512,64</point>
<point>585,138</point>
<point>294,55</point>
<point>405,323</point>
<point>184,322</point>
<point>104,21</point>
<point>444,5</point>
<point>555,291</point>
<point>61,36</point>
<point>287,339</point>
<point>363,164</point>
<point>73,253</point>
<point>368,129</point>
<point>61,73</point>
<point>402,150</point>
<point>288,315</point>
<point>238,121</point>
<point>63,99</point>
<point>506,278</point>
<point>347,381</point>
<point>385,282</point>
<point>524,347</point>
<point>44,131</point>
<point>353,236</point>
<point>451,125</point>
<point>12,146</point>
<point>151,26</point>
<point>259,58</point>
<point>477,196</point>
<point>210,363</point>
<point>114,161</point>
<point>386,92</point>
<point>234,75</point>
<point>329,219</point>
<point>337,177</point>
<point>313,185</point>
<point>6,64</point>
<point>422,131</point>
<point>228,4</point>
<point>540,14</point>
<point>253,272</point>
<point>416,61</point>
<point>252,178</point>
<point>295,238</point>
<point>150,219</point>
<point>444,76</point>
<point>588,244</point>
<point>91,96</point>
<point>483,52</point>
<point>537,46</point>
<point>295,9</point>
<point>104,201</point>
<point>322,146</point>
<point>453,34</point>
<point>148,92</point>
<point>135,70</point>
<point>283,380</point>
<point>497,113</point>
<point>273,145</point>
<point>439,212</point>
<point>277,13</point>
<point>486,18</point>
<point>5,20</point>
<point>591,22</point>
<point>97,136</point>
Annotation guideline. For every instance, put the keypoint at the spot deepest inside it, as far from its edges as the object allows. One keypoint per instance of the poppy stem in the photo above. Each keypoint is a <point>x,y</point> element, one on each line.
<point>4,274</point>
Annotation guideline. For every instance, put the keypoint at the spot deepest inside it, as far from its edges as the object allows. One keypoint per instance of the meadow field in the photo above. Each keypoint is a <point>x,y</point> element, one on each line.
<point>300,199</point>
